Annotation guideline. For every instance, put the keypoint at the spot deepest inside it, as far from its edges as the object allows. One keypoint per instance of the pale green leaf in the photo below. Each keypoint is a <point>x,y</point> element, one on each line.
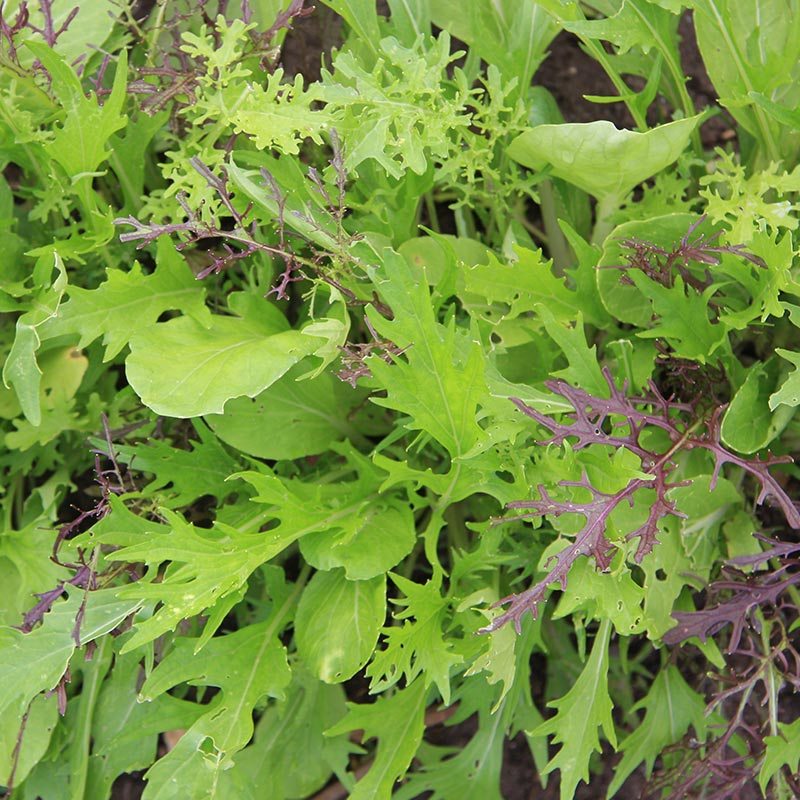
<point>598,157</point>
<point>180,368</point>
<point>338,622</point>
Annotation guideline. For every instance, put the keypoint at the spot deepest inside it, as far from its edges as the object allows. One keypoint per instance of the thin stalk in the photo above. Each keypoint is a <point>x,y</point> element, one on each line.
<point>556,241</point>
<point>94,672</point>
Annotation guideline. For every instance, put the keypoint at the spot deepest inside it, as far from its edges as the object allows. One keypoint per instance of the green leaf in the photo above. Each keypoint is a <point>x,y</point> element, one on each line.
<point>446,362</point>
<point>584,708</point>
<point>129,302</point>
<point>511,34</point>
<point>206,565</point>
<point>292,418</point>
<point>682,318</point>
<point>747,48</point>
<point>361,16</point>
<point>34,662</point>
<point>21,370</point>
<point>189,473</point>
<point>39,725</point>
<point>419,646</point>
<point>290,757</point>
<point>80,144</point>
<point>583,369</point>
<point>338,622</point>
<point>749,424</point>
<point>783,749</point>
<point>246,666</point>
<point>671,706</point>
<point>789,393</point>
<point>398,722</point>
<point>125,731</point>
<point>182,369</point>
<point>598,157</point>
<point>373,541</point>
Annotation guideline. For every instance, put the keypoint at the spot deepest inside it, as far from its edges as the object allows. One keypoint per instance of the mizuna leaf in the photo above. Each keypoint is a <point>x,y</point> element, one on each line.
<point>398,723</point>
<point>129,302</point>
<point>447,362</point>
<point>418,646</point>
<point>579,713</point>
<point>671,706</point>
<point>246,666</point>
<point>783,749</point>
<point>80,143</point>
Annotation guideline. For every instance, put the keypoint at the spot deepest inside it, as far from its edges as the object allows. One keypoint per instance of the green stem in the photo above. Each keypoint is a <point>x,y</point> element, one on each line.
<point>94,672</point>
<point>606,206</point>
<point>557,242</point>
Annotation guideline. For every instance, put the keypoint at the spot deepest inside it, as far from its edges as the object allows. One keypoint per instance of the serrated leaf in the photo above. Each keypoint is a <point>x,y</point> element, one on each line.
<point>671,706</point>
<point>419,645</point>
<point>579,713</point>
<point>398,723</point>
<point>446,362</point>
<point>80,144</point>
<point>682,318</point>
<point>583,370</point>
<point>128,302</point>
<point>781,750</point>
<point>338,622</point>
<point>246,666</point>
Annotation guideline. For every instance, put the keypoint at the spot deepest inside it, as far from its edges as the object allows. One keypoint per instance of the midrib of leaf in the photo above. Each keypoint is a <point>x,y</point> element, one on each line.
<point>411,17</point>
<point>269,637</point>
<point>243,693</point>
<point>216,354</point>
<point>601,641</point>
<point>737,60</point>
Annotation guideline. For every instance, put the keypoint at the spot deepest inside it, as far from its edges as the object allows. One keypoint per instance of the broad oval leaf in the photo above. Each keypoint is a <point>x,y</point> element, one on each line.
<point>625,301</point>
<point>370,544</point>
<point>338,622</point>
<point>289,419</point>
<point>600,158</point>
<point>181,369</point>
